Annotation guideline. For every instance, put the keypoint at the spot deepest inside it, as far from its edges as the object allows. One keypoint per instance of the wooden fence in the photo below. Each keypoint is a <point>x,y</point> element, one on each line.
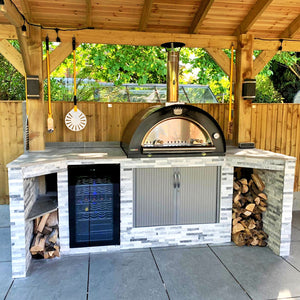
<point>11,140</point>
<point>274,127</point>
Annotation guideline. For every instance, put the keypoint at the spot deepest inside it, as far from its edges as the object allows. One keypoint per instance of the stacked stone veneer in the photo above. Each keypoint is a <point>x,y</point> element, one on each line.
<point>277,218</point>
<point>22,179</point>
<point>278,175</point>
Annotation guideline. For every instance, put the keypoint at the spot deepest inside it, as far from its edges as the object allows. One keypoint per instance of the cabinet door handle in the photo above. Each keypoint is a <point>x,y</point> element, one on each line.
<point>178,179</point>
<point>175,180</point>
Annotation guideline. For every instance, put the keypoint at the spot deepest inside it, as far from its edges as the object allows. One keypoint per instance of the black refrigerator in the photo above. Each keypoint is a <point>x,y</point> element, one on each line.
<point>94,205</point>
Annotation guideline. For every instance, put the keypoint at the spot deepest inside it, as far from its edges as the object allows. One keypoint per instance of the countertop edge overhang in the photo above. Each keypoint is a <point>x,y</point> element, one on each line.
<point>64,156</point>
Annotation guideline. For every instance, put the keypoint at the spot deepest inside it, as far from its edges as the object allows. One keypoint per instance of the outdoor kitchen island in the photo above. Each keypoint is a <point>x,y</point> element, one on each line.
<point>178,224</point>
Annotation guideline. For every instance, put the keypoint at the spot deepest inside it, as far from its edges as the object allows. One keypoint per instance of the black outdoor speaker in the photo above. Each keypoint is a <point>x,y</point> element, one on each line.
<point>249,89</point>
<point>33,87</point>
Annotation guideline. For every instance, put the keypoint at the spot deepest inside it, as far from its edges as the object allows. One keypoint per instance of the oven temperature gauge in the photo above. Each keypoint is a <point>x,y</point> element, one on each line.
<point>216,135</point>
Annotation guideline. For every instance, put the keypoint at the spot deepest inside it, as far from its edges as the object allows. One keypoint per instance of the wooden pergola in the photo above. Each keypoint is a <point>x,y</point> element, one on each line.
<point>267,25</point>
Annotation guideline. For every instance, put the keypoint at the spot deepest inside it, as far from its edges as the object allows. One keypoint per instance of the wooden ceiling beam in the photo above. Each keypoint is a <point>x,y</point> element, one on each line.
<point>89,22</point>
<point>292,29</point>
<point>145,14</point>
<point>139,38</point>
<point>57,56</point>
<point>8,32</point>
<point>11,13</point>
<point>12,55</point>
<point>255,12</point>
<point>266,55</point>
<point>200,15</point>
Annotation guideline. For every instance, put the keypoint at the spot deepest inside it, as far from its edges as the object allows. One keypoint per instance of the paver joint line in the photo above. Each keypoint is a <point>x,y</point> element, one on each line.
<point>88,278</point>
<point>290,264</point>
<point>160,275</point>
<point>228,271</point>
<point>9,289</point>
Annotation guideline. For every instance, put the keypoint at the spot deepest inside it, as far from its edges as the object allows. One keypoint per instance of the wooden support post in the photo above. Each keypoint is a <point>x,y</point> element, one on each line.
<point>244,70</point>
<point>36,114</point>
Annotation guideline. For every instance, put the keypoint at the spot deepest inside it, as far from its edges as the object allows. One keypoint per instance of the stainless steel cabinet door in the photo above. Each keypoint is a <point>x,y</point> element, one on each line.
<point>198,195</point>
<point>154,202</point>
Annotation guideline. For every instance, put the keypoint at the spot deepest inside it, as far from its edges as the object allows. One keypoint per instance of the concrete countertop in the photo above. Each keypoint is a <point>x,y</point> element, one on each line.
<point>100,150</point>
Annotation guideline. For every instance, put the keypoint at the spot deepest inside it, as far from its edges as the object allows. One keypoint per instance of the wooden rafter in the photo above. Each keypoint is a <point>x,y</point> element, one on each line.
<point>89,22</point>
<point>57,56</point>
<point>256,11</point>
<point>12,55</point>
<point>292,29</point>
<point>200,15</point>
<point>145,14</point>
<point>220,57</point>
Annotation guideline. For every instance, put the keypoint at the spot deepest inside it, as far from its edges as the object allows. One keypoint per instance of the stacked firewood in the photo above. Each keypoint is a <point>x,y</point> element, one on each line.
<point>249,202</point>
<point>45,243</point>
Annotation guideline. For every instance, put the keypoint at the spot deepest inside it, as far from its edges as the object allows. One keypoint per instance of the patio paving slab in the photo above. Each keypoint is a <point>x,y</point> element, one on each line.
<point>5,248</point>
<point>125,275</point>
<point>196,273</point>
<point>4,216</point>
<point>263,274</point>
<point>295,234</point>
<point>294,257</point>
<point>62,278</point>
<point>5,278</point>
<point>296,219</point>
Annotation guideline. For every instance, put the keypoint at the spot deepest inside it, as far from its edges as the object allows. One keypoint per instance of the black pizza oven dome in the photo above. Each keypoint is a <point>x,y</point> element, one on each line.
<point>173,130</point>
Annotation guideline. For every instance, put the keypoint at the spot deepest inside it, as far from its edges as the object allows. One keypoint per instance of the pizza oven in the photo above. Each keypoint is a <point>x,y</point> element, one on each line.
<point>175,129</point>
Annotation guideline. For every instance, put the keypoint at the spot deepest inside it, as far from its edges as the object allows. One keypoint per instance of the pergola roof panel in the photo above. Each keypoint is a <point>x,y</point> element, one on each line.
<point>262,18</point>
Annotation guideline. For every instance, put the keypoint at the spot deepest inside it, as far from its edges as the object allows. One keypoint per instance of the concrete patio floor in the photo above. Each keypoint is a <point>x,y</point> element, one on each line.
<point>201,272</point>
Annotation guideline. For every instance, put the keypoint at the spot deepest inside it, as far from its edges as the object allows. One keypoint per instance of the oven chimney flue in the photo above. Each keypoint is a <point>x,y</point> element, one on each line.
<point>173,70</point>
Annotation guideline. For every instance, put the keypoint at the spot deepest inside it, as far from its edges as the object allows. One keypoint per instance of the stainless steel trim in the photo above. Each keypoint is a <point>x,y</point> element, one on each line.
<point>177,149</point>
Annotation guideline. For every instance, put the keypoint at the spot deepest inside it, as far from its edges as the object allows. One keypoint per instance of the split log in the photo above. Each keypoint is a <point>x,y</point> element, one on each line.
<point>42,223</point>
<point>237,228</point>
<point>236,186</point>
<point>38,243</point>
<point>239,239</point>
<point>236,220</point>
<point>263,196</point>
<point>53,219</point>
<point>53,236</point>
<point>258,182</point>
<point>250,207</point>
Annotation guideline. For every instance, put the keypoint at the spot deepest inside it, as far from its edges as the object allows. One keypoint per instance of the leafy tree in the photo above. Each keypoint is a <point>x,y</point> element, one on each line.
<point>11,81</point>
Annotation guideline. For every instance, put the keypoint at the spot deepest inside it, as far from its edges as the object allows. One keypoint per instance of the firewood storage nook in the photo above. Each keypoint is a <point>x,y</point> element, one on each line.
<point>177,224</point>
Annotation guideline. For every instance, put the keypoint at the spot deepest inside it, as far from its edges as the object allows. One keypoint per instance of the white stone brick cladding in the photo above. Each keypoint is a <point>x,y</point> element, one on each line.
<point>279,170</point>
<point>17,223</point>
<point>277,218</point>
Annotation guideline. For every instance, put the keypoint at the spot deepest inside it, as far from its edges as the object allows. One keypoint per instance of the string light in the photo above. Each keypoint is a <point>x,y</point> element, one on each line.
<point>57,37</point>
<point>280,47</point>
<point>24,29</point>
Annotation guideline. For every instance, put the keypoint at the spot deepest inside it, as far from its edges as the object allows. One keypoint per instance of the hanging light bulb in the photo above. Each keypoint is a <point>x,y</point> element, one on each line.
<point>57,37</point>
<point>24,29</point>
